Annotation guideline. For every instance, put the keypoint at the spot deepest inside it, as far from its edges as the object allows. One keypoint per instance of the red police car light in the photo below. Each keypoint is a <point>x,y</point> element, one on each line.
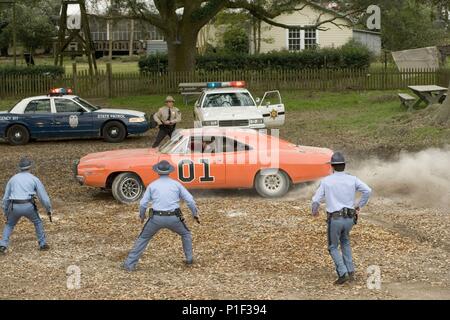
<point>60,91</point>
<point>237,84</point>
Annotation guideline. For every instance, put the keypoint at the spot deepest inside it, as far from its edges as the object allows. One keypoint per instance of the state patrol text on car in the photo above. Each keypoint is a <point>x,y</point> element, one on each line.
<point>63,115</point>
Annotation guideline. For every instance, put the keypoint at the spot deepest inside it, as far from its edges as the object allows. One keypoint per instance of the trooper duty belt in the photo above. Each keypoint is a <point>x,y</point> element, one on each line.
<point>175,212</point>
<point>21,201</point>
<point>343,213</point>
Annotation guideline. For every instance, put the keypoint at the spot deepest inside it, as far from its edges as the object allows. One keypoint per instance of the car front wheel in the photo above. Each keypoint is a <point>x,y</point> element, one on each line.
<point>18,135</point>
<point>272,183</point>
<point>114,132</point>
<point>127,188</point>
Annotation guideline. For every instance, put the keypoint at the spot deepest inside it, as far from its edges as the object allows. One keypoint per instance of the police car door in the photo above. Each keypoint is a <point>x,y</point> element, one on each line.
<point>39,118</point>
<point>71,119</point>
<point>272,109</point>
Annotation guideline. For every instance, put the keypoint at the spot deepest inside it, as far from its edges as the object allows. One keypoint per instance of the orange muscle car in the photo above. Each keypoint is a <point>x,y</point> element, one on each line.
<point>208,159</point>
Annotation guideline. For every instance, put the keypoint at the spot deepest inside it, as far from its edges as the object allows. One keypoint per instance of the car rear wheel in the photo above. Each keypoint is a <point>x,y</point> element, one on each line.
<point>272,184</point>
<point>18,135</point>
<point>127,188</point>
<point>114,132</point>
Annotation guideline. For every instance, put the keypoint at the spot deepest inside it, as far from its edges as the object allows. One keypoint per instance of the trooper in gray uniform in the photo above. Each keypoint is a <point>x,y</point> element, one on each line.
<point>339,191</point>
<point>19,202</point>
<point>165,195</point>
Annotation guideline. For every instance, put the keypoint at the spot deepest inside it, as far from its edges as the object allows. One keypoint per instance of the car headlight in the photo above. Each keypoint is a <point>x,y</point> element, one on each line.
<point>210,123</point>
<point>256,121</point>
<point>136,120</point>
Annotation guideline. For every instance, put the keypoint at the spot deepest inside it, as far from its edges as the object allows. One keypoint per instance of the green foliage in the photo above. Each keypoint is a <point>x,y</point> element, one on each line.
<point>51,71</point>
<point>236,41</point>
<point>351,55</point>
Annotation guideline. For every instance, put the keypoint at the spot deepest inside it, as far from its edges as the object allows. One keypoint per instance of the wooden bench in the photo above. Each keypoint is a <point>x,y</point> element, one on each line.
<point>407,100</point>
<point>191,89</point>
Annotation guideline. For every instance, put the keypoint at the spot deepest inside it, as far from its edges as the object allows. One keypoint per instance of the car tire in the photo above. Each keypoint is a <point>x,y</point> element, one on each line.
<point>127,188</point>
<point>114,132</point>
<point>18,135</point>
<point>272,184</point>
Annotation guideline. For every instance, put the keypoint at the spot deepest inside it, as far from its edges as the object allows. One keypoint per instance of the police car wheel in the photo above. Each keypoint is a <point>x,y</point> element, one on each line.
<point>18,135</point>
<point>127,188</point>
<point>272,185</point>
<point>114,132</point>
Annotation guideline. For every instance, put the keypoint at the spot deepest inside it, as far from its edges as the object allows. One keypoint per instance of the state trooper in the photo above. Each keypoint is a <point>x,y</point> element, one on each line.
<point>339,190</point>
<point>19,201</point>
<point>164,195</point>
<point>167,118</point>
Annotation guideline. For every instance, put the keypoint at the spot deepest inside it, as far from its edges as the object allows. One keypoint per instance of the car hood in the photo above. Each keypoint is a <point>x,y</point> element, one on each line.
<point>118,155</point>
<point>122,111</point>
<point>229,113</point>
<point>3,112</point>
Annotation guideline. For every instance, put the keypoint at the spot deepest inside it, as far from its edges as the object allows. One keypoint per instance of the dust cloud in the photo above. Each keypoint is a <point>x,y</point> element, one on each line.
<point>419,179</point>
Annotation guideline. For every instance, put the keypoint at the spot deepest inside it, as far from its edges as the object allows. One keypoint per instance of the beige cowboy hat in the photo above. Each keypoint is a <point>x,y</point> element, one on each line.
<point>170,99</point>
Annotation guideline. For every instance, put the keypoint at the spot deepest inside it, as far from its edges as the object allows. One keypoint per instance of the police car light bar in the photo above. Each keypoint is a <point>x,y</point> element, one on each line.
<point>60,91</point>
<point>232,84</point>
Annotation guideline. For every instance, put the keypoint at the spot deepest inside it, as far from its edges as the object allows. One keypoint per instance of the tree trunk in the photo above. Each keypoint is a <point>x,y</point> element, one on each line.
<point>131,48</point>
<point>182,51</point>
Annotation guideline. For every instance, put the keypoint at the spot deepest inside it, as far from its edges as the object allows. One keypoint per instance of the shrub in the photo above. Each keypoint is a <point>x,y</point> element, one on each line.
<point>52,71</point>
<point>351,55</point>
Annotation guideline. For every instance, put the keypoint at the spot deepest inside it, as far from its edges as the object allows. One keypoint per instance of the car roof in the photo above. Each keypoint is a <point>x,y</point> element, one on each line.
<point>226,90</point>
<point>54,96</point>
<point>236,132</point>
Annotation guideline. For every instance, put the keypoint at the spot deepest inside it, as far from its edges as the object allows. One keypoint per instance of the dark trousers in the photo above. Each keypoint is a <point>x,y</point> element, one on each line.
<point>164,130</point>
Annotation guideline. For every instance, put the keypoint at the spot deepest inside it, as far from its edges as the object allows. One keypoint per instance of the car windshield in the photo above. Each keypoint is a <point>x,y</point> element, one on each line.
<point>85,104</point>
<point>229,99</point>
<point>170,144</point>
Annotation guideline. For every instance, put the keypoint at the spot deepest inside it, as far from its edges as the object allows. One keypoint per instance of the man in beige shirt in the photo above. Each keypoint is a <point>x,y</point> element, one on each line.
<point>167,118</point>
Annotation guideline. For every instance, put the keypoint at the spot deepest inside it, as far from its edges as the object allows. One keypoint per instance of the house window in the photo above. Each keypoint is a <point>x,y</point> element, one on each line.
<point>294,40</point>
<point>310,38</point>
<point>302,39</point>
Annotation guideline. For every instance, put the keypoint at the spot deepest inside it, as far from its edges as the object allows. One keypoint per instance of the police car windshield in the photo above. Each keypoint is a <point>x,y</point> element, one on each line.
<point>228,99</point>
<point>86,104</point>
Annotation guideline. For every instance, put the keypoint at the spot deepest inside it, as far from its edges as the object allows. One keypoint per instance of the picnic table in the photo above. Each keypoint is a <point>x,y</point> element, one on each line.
<point>429,94</point>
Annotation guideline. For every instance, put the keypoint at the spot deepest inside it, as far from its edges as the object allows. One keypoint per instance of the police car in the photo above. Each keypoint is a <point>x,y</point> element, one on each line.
<point>230,104</point>
<point>61,114</point>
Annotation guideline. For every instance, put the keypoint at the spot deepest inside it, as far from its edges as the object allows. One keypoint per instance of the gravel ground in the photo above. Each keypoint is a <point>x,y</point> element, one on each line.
<point>246,248</point>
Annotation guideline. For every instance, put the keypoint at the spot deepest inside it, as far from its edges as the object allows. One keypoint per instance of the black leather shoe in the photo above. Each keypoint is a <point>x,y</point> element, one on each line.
<point>351,276</point>
<point>45,247</point>
<point>342,280</point>
<point>2,250</point>
<point>189,263</point>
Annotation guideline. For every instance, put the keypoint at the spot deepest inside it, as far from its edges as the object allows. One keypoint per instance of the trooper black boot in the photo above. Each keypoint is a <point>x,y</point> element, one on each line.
<point>45,247</point>
<point>2,250</point>
<point>351,276</point>
<point>342,280</point>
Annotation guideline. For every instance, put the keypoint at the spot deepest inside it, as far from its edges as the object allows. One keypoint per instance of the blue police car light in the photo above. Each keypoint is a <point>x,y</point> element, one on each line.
<point>212,85</point>
<point>232,84</point>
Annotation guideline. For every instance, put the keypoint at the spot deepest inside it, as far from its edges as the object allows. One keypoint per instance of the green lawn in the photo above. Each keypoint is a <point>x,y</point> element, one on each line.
<point>368,122</point>
<point>118,65</point>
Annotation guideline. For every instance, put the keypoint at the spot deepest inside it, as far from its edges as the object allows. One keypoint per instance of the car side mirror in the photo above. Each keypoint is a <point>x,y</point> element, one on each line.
<point>258,100</point>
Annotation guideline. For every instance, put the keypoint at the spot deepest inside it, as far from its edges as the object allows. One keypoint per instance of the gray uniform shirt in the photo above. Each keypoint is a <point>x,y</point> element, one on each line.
<point>24,186</point>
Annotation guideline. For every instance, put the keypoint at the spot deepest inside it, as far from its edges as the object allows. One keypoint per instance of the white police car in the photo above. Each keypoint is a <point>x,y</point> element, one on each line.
<point>229,104</point>
<point>64,115</point>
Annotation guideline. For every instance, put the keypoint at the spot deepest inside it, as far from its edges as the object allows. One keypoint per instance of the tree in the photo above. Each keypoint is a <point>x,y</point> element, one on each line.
<point>406,24</point>
<point>181,20</point>
<point>236,40</point>
<point>35,26</point>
